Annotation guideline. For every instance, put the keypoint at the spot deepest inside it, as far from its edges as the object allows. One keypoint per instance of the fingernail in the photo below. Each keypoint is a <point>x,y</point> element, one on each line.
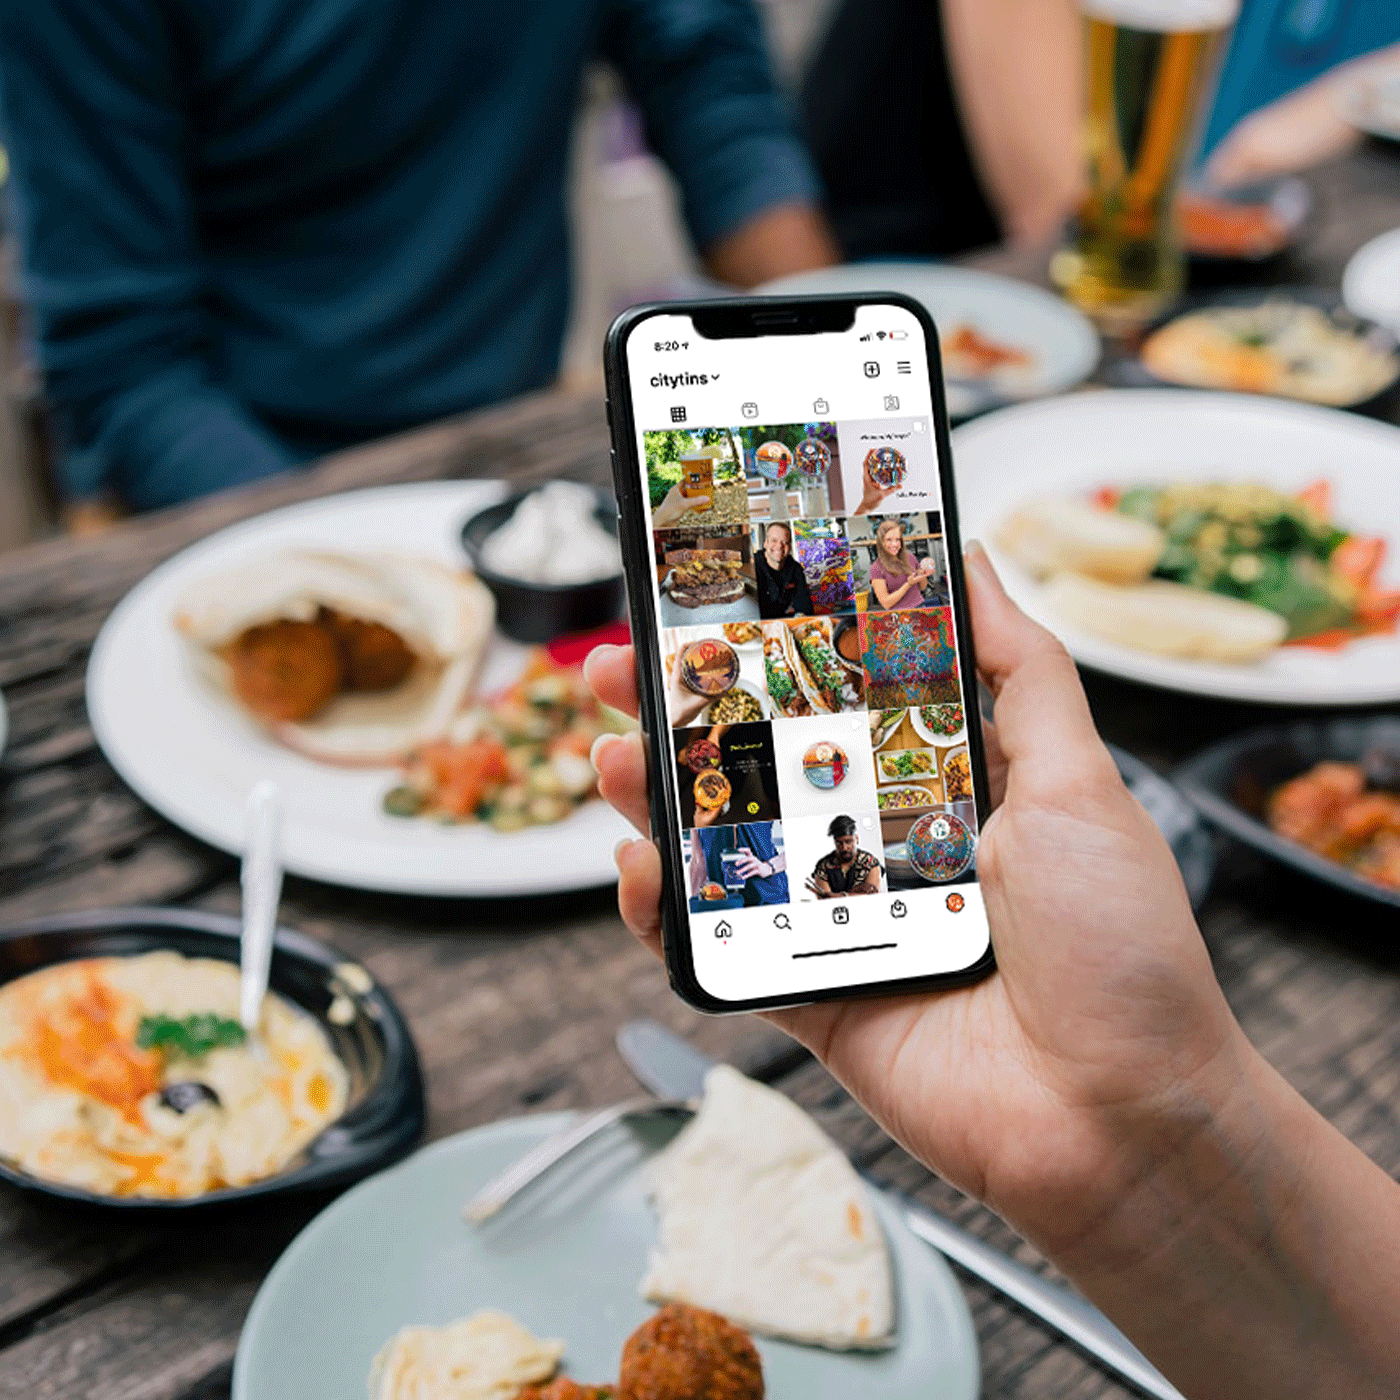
<point>596,652</point>
<point>980,563</point>
<point>622,846</point>
<point>599,744</point>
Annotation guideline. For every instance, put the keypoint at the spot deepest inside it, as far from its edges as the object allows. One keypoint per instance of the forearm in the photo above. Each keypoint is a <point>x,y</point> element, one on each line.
<point>174,437</point>
<point>1016,69</point>
<point>699,71</point>
<point>792,238</point>
<point>1252,1251</point>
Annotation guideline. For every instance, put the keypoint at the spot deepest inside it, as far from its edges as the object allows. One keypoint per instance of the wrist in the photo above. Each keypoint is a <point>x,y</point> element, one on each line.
<point>1141,1167</point>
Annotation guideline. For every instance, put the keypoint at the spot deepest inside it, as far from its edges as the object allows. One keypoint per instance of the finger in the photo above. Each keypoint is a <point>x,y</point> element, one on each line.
<point>621,764</point>
<point>639,891</point>
<point>1041,710</point>
<point>611,672</point>
<point>996,762</point>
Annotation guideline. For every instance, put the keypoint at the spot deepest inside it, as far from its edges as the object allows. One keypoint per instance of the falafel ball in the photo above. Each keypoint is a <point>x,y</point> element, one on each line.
<point>286,670</point>
<point>685,1353</point>
<point>375,656</point>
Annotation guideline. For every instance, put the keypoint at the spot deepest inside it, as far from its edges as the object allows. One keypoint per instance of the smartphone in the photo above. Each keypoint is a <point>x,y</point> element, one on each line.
<point>805,669</point>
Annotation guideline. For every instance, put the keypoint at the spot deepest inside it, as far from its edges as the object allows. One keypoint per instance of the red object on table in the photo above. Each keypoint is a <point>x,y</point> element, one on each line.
<point>571,650</point>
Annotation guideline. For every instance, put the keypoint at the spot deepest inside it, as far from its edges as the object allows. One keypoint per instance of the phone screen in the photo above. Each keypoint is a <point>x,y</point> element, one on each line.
<point>820,782</point>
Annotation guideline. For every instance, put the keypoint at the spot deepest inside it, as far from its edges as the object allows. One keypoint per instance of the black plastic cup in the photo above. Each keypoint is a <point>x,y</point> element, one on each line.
<point>535,613</point>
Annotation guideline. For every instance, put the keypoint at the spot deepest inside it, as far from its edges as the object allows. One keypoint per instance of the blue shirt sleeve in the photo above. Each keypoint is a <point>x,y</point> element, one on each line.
<point>699,70</point>
<point>92,118</point>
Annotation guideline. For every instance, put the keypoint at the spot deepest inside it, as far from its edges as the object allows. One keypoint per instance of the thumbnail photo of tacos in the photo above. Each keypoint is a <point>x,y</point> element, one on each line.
<point>803,650</point>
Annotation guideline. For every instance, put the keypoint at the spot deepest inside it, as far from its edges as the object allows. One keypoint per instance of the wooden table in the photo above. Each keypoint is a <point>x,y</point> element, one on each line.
<point>514,1005</point>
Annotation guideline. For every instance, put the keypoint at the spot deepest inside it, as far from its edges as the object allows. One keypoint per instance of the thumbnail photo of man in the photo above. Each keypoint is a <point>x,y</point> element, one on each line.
<point>846,869</point>
<point>782,585</point>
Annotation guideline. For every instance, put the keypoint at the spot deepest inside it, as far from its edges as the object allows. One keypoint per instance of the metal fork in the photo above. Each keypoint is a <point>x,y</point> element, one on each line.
<point>503,1189</point>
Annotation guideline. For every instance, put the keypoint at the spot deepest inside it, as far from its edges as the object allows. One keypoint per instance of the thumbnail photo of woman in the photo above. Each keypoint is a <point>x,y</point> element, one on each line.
<point>899,562</point>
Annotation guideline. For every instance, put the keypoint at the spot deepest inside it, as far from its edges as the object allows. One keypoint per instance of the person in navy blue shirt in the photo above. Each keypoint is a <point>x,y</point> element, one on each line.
<point>259,230</point>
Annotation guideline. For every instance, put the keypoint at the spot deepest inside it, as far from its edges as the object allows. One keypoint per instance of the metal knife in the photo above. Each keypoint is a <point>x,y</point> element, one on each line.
<point>674,1069</point>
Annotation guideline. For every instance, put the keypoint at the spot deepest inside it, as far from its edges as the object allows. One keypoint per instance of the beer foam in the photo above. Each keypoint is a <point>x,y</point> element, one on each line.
<point>1164,16</point>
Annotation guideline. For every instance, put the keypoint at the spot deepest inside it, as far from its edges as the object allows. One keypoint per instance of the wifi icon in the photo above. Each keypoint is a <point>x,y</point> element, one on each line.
<point>879,335</point>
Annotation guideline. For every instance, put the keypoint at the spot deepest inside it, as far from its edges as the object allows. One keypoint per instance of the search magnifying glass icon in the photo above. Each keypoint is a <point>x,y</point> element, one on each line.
<point>782,921</point>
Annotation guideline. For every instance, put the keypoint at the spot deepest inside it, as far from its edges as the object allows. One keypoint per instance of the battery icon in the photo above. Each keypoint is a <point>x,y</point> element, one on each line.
<point>899,335</point>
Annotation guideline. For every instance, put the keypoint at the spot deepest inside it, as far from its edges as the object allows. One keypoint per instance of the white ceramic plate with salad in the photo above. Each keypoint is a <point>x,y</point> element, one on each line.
<point>1119,448</point>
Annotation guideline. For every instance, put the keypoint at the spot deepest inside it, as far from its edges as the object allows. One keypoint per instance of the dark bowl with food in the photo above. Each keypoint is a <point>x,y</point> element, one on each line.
<point>1373,393</point>
<point>536,613</point>
<point>1246,231</point>
<point>1234,784</point>
<point>385,1111</point>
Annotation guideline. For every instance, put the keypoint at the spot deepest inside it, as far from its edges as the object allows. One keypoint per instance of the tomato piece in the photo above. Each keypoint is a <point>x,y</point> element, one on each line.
<point>1317,496</point>
<point>1358,559</point>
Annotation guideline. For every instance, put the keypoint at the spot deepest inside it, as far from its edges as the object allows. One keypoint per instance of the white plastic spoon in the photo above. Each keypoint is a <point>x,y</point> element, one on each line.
<point>261,880</point>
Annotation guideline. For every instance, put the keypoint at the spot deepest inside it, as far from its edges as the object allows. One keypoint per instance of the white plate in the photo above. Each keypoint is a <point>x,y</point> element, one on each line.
<point>395,1251</point>
<point>749,688</point>
<point>1371,282</point>
<point>929,799</point>
<point>893,730</point>
<point>929,736</point>
<point>903,779</point>
<point>1118,436</point>
<point>193,755</point>
<point>1062,341</point>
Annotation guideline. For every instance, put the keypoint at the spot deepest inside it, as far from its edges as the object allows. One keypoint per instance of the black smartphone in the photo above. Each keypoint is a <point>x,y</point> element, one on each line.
<point>804,658</point>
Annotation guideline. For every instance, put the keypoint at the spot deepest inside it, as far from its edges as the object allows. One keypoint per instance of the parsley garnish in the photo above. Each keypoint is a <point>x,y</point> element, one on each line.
<point>191,1036</point>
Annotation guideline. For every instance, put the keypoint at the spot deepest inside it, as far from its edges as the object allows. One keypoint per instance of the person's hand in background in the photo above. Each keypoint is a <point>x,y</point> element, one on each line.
<point>674,507</point>
<point>873,494</point>
<point>1296,132</point>
<point>682,702</point>
<point>1096,1090</point>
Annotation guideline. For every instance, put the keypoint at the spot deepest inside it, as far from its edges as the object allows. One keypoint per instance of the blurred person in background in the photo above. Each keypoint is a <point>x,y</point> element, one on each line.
<point>939,126</point>
<point>1279,105</point>
<point>254,233</point>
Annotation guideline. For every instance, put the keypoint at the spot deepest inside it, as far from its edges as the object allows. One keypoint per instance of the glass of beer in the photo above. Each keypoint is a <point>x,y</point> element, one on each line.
<point>1150,66</point>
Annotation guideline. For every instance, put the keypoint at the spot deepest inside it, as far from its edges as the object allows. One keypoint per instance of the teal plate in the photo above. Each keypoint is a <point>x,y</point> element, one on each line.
<point>565,1261</point>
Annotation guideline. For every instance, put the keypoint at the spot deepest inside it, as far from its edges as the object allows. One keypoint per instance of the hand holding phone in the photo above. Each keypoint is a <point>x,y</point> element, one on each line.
<point>1103,1042</point>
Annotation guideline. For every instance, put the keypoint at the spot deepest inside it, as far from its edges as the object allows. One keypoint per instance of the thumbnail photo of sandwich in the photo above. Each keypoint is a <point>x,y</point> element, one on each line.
<point>705,577</point>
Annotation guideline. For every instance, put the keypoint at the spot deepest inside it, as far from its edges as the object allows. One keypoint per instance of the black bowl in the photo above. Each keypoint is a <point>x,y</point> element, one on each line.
<point>385,1114</point>
<point>1230,784</point>
<point>1131,373</point>
<point>1292,200</point>
<point>540,612</point>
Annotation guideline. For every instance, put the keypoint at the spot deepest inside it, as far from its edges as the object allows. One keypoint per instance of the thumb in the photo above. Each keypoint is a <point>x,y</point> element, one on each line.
<point>1043,721</point>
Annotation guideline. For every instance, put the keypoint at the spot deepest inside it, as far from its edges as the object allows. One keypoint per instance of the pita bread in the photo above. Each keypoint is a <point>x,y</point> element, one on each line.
<point>445,618</point>
<point>765,1221</point>
<point>488,1356</point>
